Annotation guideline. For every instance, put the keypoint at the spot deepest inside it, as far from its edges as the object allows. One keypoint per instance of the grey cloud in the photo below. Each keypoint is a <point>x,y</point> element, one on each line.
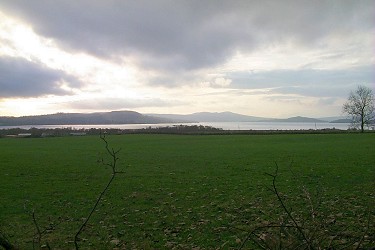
<point>22,78</point>
<point>300,100</point>
<point>295,100</point>
<point>186,35</point>
<point>327,101</point>
<point>173,79</point>
<point>238,92</point>
<point>307,82</point>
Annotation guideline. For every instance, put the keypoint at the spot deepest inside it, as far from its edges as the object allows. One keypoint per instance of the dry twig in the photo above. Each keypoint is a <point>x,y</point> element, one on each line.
<point>113,164</point>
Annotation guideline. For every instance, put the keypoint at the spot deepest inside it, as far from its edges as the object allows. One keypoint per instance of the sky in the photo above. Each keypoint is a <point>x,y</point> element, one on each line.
<point>261,58</point>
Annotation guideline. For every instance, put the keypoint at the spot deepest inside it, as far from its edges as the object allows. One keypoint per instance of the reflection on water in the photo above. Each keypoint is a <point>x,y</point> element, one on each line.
<point>278,125</point>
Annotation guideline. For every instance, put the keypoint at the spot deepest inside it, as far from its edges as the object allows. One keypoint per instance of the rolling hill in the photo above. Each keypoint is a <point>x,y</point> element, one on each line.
<point>210,117</point>
<point>132,117</point>
<point>114,117</point>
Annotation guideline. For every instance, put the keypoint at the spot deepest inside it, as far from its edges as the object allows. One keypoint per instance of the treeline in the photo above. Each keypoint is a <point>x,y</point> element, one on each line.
<point>69,131</point>
<point>180,129</point>
<point>47,132</point>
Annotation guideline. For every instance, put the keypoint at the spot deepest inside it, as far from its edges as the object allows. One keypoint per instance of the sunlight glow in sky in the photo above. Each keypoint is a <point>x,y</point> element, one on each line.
<point>260,58</point>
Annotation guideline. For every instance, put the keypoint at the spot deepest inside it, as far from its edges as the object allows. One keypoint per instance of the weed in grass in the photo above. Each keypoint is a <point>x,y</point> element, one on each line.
<point>299,223</point>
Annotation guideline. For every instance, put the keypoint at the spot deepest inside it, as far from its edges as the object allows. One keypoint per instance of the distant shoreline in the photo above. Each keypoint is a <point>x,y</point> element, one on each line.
<point>254,125</point>
<point>181,129</point>
<point>132,117</point>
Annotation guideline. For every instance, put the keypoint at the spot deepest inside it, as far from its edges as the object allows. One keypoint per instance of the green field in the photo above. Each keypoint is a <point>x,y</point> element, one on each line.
<point>181,191</point>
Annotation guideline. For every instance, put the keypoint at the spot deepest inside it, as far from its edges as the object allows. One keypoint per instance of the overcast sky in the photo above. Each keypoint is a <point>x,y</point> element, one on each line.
<point>262,58</point>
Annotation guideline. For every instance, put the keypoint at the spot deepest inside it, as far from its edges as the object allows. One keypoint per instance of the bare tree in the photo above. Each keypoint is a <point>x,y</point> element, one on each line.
<point>360,105</point>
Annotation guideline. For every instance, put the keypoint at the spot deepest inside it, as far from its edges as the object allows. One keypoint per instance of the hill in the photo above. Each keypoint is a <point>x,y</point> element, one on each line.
<point>132,117</point>
<point>345,120</point>
<point>332,118</point>
<point>114,117</point>
<point>210,117</point>
<point>297,119</point>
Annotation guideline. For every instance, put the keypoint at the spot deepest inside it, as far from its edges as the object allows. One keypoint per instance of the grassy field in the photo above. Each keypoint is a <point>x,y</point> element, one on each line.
<point>181,191</point>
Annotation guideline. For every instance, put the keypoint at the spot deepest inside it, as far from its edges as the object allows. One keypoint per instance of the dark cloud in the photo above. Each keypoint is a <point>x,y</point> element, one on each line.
<point>186,35</point>
<point>22,78</point>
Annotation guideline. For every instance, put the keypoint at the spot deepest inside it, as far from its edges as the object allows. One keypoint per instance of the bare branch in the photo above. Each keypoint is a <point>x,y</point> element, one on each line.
<point>286,209</point>
<point>39,234</point>
<point>113,153</point>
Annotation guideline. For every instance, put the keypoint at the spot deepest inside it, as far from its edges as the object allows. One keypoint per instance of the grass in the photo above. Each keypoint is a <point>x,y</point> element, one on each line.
<point>179,191</point>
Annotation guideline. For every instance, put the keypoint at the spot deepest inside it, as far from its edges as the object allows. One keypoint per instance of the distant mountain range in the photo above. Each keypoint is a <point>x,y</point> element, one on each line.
<point>210,117</point>
<point>298,119</point>
<point>114,117</point>
<point>131,117</point>
<point>233,117</point>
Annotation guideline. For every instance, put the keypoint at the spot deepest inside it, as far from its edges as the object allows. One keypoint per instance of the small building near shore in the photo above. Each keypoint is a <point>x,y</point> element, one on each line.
<point>21,135</point>
<point>78,133</point>
<point>24,135</point>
